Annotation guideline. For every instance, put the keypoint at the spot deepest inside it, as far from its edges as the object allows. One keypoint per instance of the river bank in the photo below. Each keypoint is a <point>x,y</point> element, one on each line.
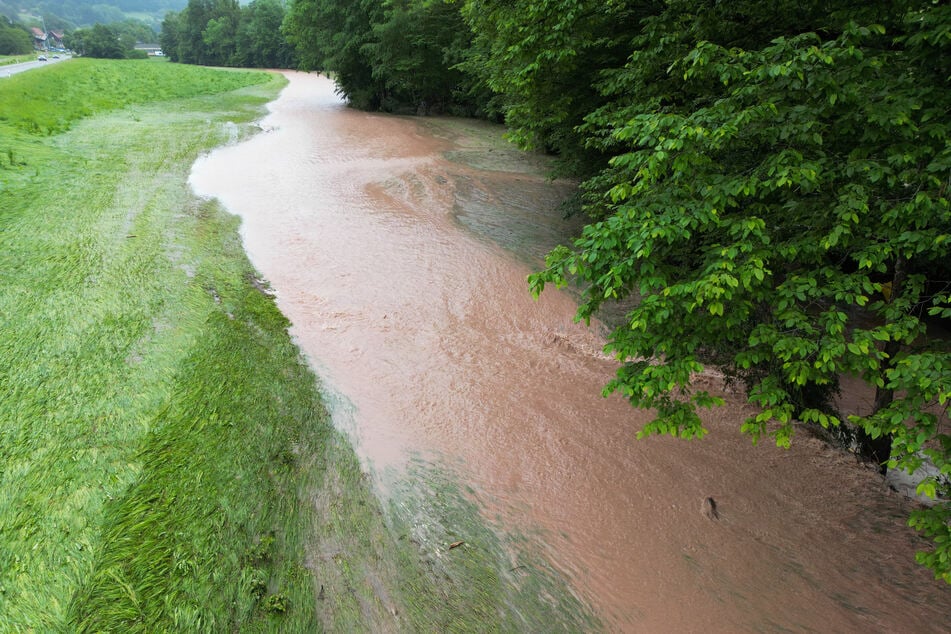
<point>129,498</point>
<point>166,460</point>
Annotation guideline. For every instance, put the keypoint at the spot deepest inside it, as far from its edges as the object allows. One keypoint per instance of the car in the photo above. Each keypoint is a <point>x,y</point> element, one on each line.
<point>41,58</point>
<point>56,57</point>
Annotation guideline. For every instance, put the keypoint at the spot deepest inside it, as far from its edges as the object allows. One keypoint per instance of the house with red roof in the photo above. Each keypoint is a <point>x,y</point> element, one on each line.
<point>46,40</point>
<point>39,38</point>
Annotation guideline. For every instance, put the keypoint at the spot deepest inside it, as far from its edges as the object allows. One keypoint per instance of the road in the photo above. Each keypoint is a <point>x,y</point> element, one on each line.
<point>13,69</point>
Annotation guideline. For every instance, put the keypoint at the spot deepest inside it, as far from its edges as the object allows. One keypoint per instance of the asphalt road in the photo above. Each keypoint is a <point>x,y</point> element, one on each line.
<point>13,69</point>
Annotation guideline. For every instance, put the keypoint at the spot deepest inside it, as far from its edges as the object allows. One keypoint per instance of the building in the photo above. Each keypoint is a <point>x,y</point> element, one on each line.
<point>39,38</point>
<point>46,40</point>
<point>151,48</point>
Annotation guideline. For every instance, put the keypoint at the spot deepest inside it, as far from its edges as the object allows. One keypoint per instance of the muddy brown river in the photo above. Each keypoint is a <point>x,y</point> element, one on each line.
<point>399,247</point>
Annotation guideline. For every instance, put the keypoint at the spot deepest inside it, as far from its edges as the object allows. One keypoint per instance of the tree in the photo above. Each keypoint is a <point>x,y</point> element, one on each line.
<point>544,58</point>
<point>260,42</point>
<point>14,41</point>
<point>779,209</point>
<point>391,55</point>
<point>333,35</point>
<point>190,37</point>
<point>222,33</point>
<point>169,37</point>
<point>115,41</point>
<point>99,41</point>
<point>218,38</point>
<point>409,54</point>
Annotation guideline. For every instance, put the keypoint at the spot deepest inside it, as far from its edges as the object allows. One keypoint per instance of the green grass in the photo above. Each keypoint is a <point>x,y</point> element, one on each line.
<point>166,460</point>
<point>106,277</point>
<point>16,59</point>
<point>51,102</point>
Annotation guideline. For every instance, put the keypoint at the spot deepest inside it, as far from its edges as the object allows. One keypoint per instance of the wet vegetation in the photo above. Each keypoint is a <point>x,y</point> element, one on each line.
<point>166,461</point>
<point>49,101</point>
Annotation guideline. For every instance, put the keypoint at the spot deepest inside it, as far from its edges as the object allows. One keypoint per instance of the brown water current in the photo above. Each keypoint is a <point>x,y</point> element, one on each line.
<point>398,248</point>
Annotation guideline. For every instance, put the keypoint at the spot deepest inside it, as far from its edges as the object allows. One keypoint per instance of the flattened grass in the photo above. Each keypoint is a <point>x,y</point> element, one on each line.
<point>166,461</point>
<point>48,100</point>
<point>128,327</point>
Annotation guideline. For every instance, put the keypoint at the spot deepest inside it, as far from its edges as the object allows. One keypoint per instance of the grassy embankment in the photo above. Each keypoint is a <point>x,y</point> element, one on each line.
<point>166,463</point>
<point>16,59</point>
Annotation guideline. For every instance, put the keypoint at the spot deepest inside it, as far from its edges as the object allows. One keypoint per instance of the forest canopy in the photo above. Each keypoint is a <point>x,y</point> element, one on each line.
<point>767,185</point>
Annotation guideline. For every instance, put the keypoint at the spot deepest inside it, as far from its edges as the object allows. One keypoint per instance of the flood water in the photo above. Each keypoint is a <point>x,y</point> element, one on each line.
<point>399,248</point>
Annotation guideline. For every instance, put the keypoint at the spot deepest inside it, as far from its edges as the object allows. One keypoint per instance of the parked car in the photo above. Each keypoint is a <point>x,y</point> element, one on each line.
<point>41,58</point>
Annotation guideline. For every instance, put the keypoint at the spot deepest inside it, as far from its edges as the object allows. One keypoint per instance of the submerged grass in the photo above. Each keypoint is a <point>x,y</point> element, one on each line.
<point>48,100</point>
<point>166,462</point>
<point>483,577</point>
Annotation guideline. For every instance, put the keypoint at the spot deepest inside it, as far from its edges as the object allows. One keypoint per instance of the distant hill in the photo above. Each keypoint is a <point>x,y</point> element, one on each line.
<point>71,14</point>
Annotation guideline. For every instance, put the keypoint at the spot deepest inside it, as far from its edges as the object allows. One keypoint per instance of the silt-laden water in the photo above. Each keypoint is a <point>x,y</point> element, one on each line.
<point>399,248</point>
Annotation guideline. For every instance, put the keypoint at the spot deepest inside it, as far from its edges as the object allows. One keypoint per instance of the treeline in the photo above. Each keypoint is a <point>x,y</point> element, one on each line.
<point>767,183</point>
<point>223,33</point>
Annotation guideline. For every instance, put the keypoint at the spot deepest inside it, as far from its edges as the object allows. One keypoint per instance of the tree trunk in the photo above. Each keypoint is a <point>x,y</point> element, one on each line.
<point>879,449</point>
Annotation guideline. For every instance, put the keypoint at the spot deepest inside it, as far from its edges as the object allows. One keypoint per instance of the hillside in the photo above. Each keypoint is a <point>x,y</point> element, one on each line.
<point>70,14</point>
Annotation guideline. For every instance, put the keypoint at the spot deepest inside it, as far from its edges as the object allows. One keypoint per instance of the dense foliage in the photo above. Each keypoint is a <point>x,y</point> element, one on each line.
<point>391,56</point>
<point>223,33</point>
<point>14,39</point>
<point>110,41</point>
<point>543,58</point>
<point>777,206</point>
<point>767,182</point>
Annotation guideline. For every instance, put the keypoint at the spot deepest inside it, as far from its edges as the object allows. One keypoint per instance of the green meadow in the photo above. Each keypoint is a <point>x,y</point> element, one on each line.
<point>166,460</point>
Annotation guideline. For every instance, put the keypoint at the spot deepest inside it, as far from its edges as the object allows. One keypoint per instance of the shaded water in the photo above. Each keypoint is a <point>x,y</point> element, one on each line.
<point>399,248</point>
